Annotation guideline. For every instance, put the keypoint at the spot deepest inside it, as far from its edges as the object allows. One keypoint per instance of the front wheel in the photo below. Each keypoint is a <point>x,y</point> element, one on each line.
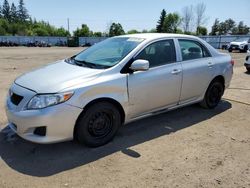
<point>245,48</point>
<point>98,124</point>
<point>248,69</point>
<point>213,95</point>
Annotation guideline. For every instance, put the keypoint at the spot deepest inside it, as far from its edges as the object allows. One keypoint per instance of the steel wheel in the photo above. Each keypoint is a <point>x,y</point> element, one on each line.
<point>98,124</point>
<point>213,95</point>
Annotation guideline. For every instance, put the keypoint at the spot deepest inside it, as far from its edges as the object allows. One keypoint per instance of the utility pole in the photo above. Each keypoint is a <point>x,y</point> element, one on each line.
<point>68,25</point>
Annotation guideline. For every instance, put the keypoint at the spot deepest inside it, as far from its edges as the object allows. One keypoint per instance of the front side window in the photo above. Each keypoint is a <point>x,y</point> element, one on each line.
<point>109,52</point>
<point>192,50</point>
<point>159,53</point>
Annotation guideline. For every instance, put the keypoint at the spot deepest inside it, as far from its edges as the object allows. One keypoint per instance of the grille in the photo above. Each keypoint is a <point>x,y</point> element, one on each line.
<point>234,46</point>
<point>16,99</point>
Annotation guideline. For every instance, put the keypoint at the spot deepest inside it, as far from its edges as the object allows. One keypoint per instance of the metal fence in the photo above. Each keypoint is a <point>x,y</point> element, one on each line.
<point>216,41</point>
<point>221,40</point>
<point>23,40</point>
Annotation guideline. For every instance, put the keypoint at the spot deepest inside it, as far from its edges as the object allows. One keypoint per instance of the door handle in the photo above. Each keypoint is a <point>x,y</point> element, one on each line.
<point>176,71</point>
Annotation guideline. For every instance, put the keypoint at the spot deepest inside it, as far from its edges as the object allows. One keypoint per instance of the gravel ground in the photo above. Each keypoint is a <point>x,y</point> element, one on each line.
<point>188,147</point>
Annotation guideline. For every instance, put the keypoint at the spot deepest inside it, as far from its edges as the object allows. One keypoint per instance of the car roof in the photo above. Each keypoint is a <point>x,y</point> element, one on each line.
<point>151,36</point>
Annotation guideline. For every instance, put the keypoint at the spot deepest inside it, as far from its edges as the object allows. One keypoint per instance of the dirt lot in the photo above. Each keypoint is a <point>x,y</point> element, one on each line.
<point>189,147</point>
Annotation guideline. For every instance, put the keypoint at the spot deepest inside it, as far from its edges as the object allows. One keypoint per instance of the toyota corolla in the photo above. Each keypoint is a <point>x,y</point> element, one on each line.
<point>121,79</point>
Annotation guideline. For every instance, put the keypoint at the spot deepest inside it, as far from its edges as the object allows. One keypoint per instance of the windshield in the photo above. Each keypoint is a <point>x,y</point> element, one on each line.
<point>241,40</point>
<point>108,52</point>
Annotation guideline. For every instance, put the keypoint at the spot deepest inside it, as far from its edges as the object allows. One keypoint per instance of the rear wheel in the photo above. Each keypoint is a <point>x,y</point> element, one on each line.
<point>248,69</point>
<point>98,124</point>
<point>213,95</point>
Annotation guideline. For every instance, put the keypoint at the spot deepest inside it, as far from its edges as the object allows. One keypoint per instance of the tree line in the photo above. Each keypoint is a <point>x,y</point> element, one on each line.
<point>15,20</point>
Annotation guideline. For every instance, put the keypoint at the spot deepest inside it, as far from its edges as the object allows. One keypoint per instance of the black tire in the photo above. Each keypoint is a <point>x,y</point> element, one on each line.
<point>213,95</point>
<point>98,124</point>
<point>245,48</point>
<point>229,50</point>
<point>248,69</point>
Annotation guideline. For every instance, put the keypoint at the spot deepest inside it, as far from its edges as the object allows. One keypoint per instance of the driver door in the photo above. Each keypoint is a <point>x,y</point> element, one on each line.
<point>158,87</point>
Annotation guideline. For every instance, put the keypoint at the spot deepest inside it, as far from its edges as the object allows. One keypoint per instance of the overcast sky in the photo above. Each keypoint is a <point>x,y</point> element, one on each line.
<point>132,14</point>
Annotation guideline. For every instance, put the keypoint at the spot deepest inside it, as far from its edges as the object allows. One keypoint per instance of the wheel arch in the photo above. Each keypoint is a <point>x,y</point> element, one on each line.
<point>219,78</point>
<point>104,99</point>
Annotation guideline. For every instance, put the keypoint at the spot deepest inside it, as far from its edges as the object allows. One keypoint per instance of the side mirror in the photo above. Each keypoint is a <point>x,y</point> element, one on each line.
<point>140,65</point>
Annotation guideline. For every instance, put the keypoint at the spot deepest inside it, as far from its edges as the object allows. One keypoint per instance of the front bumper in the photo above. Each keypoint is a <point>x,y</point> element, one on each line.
<point>236,47</point>
<point>59,121</point>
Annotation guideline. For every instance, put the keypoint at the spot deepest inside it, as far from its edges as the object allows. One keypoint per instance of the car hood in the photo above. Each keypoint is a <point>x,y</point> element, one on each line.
<point>56,77</point>
<point>238,43</point>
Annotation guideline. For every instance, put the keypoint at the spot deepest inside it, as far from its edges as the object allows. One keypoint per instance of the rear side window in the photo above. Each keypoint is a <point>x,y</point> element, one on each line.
<point>192,50</point>
<point>159,53</point>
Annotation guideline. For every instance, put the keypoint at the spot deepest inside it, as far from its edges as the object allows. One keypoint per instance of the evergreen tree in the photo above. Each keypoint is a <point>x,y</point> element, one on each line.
<point>116,29</point>
<point>6,10</point>
<point>160,23</point>
<point>215,27</point>
<point>22,12</point>
<point>171,23</point>
<point>1,12</point>
<point>13,13</point>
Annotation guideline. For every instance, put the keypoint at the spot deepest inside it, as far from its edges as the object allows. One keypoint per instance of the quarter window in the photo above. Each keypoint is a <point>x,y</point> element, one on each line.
<point>192,50</point>
<point>159,53</point>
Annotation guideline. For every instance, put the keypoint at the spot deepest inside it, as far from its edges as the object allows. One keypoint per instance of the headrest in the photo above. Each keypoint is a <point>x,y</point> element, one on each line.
<point>194,50</point>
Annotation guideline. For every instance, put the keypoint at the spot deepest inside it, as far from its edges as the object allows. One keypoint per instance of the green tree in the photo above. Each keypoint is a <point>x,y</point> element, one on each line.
<point>1,16</point>
<point>3,26</point>
<point>201,30</point>
<point>6,10</point>
<point>82,32</point>
<point>160,23</point>
<point>216,27</point>
<point>242,29</point>
<point>22,12</point>
<point>116,29</point>
<point>226,27</point>
<point>133,31</point>
<point>13,13</point>
<point>171,23</point>
<point>61,32</point>
<point>97,34</point>
<point>40,32</point>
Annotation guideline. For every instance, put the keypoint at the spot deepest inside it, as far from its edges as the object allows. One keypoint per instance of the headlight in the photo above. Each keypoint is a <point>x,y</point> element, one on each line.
<point>43,101</point>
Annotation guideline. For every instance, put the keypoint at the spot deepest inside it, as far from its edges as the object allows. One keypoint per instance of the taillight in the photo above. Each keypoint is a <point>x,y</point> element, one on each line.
<point>232,62</point>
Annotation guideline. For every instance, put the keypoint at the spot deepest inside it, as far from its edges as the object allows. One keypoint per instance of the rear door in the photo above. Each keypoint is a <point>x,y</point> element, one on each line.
<point>198,67</point>
<point>159,86</point>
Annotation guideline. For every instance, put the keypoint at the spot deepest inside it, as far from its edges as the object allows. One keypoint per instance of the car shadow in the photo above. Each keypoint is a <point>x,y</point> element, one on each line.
<point>46,160</point>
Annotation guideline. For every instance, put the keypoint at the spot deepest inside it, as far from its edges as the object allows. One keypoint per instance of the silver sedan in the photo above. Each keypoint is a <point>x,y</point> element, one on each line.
<point>90,95</point>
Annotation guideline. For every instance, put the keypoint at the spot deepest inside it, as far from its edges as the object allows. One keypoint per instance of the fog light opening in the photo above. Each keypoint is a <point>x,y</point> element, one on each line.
<point>40,131</point>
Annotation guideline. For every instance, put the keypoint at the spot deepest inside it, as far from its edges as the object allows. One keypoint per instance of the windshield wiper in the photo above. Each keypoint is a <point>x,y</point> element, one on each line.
<point>89,64</point>
<point>85,63</point>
